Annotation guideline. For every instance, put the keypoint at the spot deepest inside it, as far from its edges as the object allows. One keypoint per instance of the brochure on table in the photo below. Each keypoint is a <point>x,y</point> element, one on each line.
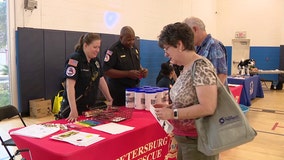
<point>78,138</point>
<point>113,128</point>
<point>73,136</point>
<point>167,126</point>
<point>36,131</point>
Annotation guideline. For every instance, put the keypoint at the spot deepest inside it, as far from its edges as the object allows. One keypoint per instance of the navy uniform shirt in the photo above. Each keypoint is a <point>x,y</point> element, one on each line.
<point>121,58</point>
<point>86,75</point>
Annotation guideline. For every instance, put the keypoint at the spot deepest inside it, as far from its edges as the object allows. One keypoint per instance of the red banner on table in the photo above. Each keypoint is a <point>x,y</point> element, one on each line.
<point>236,91</point>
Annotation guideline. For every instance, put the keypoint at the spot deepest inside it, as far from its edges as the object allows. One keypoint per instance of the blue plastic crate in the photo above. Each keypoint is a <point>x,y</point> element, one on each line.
<point>244,108</point>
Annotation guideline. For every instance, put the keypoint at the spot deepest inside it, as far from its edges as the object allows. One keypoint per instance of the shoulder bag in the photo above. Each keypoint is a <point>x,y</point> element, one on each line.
<point>226,128</point>
<point>57,102</point>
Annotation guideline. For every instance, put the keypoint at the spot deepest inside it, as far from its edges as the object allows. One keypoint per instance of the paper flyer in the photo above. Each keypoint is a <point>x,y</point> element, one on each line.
<point>78,138</point>
<point>166,125</point>
<point>36,131</point>
<point>113,128</point>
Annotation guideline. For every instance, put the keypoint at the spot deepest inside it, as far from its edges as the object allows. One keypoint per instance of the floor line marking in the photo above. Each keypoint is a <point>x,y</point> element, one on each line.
<point>275,125</point>
<point>278,134</point>
<point>266,110</point>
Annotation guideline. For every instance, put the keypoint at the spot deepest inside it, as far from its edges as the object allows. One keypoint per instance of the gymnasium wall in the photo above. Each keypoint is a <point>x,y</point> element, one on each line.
<point>262,21</point>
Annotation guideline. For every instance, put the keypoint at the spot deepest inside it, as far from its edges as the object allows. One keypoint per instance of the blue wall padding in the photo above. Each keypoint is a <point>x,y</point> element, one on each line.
<point>229,58</point>
<point>152,56</point>
<point>267,58</point>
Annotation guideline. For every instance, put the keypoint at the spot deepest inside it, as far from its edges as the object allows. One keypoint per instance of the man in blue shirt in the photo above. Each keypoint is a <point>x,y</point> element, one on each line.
<point>209,47</point>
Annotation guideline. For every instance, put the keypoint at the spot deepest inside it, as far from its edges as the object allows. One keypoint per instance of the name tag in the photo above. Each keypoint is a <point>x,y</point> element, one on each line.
<point>85,70</point>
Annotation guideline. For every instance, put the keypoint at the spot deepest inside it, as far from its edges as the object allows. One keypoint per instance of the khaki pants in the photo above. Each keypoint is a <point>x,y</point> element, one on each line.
<point>187,149</point>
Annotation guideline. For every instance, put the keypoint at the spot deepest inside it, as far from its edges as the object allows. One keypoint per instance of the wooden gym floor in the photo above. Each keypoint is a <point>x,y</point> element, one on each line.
<point>266,115</point>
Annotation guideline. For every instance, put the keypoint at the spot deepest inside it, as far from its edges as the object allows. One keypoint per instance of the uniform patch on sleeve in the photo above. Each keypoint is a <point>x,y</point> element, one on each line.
<point>73,62</point>
<point>106,58</point>
<point>109,52</point>
<point>70,71</point>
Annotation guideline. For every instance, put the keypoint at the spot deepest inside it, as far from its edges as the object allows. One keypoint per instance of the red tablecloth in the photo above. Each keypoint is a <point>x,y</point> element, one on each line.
<point>236,91</point>
<point>147,141</point>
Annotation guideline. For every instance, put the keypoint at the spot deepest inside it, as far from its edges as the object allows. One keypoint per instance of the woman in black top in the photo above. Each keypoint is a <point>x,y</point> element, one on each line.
<point>83,77</point>
<point>167,76</point>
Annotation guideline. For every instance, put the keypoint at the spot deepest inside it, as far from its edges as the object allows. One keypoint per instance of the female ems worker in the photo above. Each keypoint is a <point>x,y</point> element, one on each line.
<point>83,77</point>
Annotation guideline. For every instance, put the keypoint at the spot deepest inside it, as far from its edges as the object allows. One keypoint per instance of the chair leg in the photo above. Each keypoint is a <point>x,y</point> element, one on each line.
<point>10,155</point>
<point>6,148</point>
<point>264,83</point>
<point>19,152</point>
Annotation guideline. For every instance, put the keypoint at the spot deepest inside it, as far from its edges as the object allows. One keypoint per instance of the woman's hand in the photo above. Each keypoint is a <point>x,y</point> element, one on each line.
<point>159,105</point>
<point>109,104</point>
<point>73,115</point>
<point>163,111</point>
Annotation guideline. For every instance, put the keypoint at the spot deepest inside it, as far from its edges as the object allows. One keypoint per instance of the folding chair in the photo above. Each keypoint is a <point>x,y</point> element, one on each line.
<point>7,112</point>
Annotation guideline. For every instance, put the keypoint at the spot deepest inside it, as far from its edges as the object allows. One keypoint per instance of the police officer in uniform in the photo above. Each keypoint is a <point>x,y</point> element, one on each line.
<point>83,77</point>
<point>122,66</point>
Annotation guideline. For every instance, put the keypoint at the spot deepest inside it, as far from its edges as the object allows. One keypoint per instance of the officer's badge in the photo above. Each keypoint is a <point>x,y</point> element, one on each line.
<point>137,53</point>
<point>70,71</point>
<point>97,64</point>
